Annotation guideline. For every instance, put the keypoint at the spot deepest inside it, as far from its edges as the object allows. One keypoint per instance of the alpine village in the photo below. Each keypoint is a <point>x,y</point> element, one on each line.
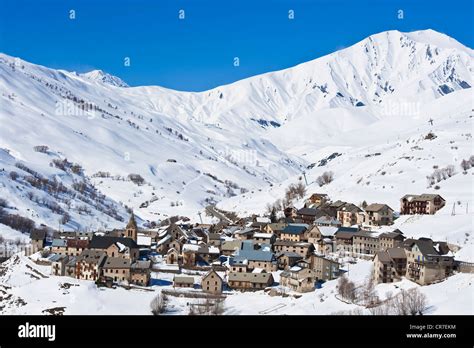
<point>286,253</point>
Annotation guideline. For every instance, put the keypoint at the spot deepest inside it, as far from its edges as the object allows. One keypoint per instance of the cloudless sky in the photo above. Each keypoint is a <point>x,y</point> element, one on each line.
<point>197,53</point>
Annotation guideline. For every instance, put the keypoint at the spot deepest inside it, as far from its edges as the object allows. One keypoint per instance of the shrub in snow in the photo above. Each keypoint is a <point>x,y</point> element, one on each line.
<point>41,148</point>
<point>158,304</point>
<point>14,175</point>
<point>325,178</point>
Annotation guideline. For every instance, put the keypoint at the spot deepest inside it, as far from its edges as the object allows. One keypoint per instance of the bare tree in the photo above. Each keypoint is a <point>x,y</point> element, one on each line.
<point>158,305</point>
<point>325,178</point>
<point>417,302</point>
<point>465,165</point>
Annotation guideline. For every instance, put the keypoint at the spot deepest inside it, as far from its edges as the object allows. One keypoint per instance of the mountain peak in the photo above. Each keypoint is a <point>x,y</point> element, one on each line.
<point>103,77</point>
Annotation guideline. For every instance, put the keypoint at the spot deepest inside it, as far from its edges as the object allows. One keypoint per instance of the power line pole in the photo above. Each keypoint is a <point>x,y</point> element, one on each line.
<point>200,217</point>
<point>306,181</point>
<point>454,209</point>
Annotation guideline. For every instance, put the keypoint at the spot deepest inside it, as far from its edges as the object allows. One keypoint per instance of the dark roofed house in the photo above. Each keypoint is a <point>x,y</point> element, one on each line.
<point>390,265</point>
<point>426,262</point>
<point>307,215</point>
<point>421,204</point>
<point>295,232</point>
<point>378,214</point>
<point>249,281</point>
<point>38,238</point>
<point>117,268</point>
<point>115,246</point>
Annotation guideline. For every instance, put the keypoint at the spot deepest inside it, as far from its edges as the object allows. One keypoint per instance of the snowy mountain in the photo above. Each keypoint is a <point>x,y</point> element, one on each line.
<point>164,152</point>
<point>101,76</point>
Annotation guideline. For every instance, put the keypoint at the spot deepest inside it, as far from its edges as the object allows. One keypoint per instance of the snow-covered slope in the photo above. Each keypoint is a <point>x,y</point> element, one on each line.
<point>254,135</point>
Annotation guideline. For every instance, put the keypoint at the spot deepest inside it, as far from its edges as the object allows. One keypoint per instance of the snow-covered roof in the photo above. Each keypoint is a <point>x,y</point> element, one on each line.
<point>262,235</point>
<point>164,240</point>
<point>143,240</point>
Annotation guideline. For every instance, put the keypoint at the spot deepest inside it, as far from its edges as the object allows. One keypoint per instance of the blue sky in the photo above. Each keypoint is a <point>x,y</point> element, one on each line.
<point>197,53</point>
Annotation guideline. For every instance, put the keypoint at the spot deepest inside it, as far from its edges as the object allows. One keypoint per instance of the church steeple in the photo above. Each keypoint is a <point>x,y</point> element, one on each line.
<point>131,230</point>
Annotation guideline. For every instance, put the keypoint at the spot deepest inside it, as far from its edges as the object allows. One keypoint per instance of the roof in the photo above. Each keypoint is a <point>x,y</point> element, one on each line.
<point>351,208</point>
<point>383,256</point>
<point>214,236</point>
<point>210,273</point>
<point>289,254</point>
<point>263,235</point>
<point>292,243</point>
<point>60,243</point>
<point>325,219</point>
<point>116,262</point>
<point>38,234</point>
<point>92,256</point>
<point>366,234</point>
<point>58,258</point>
<point>277,226</point>
<point>143,240</point>
<point>396,253</point>
<point>344,235</point>
<point>328,230</point>
<point>141,265</point>
<point>77,243</point>
<point>254,255</point>
<point>307,211</point>
<point>231,245</point>
<point>425,246</point>
<point>392,235</point>
<point>183,279</point>
<point>103,242</point>
<point>348,229</point>
<point>295,228</point>
<point>376,207</point>
<point>261,278</point>
<point>422,197</point>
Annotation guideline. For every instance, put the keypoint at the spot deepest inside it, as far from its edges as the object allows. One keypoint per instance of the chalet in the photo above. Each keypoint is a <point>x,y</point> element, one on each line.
<point>275,228</point>
<point>244,234</point>
<point>425,264</point>
<point>307,215</point>
<point>314,234</point>
<point>298,279</point>
<point>58,264</point>
<point>228,248</point>
<point>183,282</point>
<point>421,204</point>
<point>89,264</point>
<point>290,212</point>
<point>318,198</point>
<point>391,240</point>
<point>331,209</point>
<point>212,283</point>
<point>249,281</point>
<point>378,214</point>
<point>389,265</point>
<point>264,238</point>
<point>140,273</point>
<point>199,253</point>
<point>214,239</point>
<point>58,246</point>
<point>287,259</point>
<point>172,257</point>
<point>38,239</point>
<point>324,268</point>
<point>256,256</point>
<point>295,232</point>
<point>117,268</point>
<point>344,240</point>
<point>301,248</point>
<point>115,246</point>
<point>349,215</point>
<point>75,247</point>
<point>365,242</point>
